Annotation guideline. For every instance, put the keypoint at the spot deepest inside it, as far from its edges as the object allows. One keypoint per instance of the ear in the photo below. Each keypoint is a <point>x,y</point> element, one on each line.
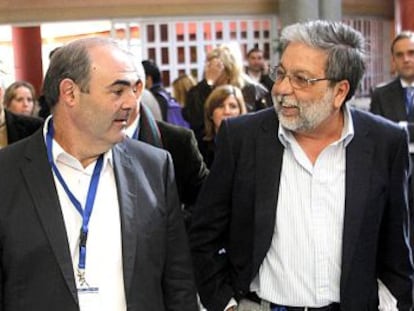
<point>341,90</point>
<point>68,91</point>
<point>140,88</point>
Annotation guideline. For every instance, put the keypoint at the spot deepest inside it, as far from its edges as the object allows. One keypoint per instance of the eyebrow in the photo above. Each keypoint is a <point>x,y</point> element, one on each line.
<point>123,82</point>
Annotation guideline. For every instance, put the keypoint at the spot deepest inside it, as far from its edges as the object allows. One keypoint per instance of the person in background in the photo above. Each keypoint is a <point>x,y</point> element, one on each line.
<point>152,103</point>
<point>20,98</point>
<point>395,99</point>
<point>257,68</point>
<point>90,220</point>
<point>224,102</point>
<point>189,167</point>
<point>154,84</point>
<point>14,127</point>
<point>181,86</point>
<point>305,207</point>
<point>223,66</point>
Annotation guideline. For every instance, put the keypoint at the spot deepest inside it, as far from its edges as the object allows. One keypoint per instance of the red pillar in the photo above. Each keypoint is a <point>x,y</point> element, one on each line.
<point>27,50</point>
<point>404,12</point>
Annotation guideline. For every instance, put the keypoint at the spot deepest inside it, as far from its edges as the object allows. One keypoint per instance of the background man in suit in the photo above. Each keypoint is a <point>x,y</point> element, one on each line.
<point>90,220</point>
<point>257,68</point>
<point>394,100</point>
<point>305,204</point>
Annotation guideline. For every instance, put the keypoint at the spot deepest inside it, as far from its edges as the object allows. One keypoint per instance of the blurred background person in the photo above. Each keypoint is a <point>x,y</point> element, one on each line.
<point>152,103</point>
<point>20,98</point>
<point>224,102</point>
<point>223,66</point>
<point>181,86</point>
<point>189,167</point>
<point>154,84</point>
<point>14,127</point>
<point>169,106</point>
<point>257,68</point>
<point>394,100</point>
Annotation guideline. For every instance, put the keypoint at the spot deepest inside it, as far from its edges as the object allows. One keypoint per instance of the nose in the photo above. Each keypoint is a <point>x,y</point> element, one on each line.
<point>130,100</point>
<point>26,102</point>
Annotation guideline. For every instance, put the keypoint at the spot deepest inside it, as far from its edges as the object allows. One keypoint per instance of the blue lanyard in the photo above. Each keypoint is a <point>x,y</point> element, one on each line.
<point>85,213</point>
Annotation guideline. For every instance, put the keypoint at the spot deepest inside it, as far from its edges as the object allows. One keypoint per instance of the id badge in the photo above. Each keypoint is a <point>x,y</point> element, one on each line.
<point>88,298</point>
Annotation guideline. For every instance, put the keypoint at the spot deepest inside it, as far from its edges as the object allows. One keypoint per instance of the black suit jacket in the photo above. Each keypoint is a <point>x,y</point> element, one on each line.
<point>189,167</point>
<point>236,212</point>
<point>389,101</point>
<point>36,271</point>
<point>20,126</point>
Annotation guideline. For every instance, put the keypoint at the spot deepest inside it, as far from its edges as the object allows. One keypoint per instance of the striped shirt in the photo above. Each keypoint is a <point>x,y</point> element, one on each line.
<point>303,265</point>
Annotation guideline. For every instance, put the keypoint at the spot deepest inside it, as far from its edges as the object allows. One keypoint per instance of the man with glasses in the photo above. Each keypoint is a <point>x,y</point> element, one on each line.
<point>305,207</point>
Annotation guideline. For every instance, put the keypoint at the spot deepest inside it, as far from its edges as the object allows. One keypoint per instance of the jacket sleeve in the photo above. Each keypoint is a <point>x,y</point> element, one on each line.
<point>178,278</point>
<point>209,230</point>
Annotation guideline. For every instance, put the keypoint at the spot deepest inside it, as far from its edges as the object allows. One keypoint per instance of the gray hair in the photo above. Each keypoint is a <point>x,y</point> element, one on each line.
<point>72,61</point>
<point>344,46</point>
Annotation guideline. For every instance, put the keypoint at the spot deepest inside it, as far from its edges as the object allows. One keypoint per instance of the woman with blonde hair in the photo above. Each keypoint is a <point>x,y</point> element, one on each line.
<point>181,86</point>
<point>223,66</point>
<point>224,102</point>
<point>20,98</point>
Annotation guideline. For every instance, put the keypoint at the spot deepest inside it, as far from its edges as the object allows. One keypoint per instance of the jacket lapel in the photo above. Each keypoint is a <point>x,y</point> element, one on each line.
<point>128,192</point>
<point>268,159</point>
<point>39,180</point>
<point>359,155</point>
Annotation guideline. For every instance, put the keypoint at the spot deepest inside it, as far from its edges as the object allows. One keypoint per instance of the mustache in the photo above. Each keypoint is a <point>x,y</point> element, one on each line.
<point>283,101</point>
<point>122,116</point>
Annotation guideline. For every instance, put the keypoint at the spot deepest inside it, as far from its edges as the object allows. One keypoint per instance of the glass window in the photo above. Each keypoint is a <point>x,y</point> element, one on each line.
<point>219,31</point>
<point>152,54</point>
<point>164,32</point>
<point>179,29</point>
<point>150,33</point>
<point>164,56</point>
<point>192,31</point>
<point>193,54</point>
<point>180,55</point>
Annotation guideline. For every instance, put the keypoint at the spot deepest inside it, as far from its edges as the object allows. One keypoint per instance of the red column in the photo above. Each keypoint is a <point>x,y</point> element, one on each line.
<point>404,12</point>
<point>27,50</point>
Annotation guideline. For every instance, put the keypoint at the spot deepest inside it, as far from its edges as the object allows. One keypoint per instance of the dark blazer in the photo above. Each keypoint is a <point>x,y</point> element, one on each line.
<point>389,101</point>
<point>20,126</point>
<point>234,218</point>
<point>36,271</point>
<point>189,167</point>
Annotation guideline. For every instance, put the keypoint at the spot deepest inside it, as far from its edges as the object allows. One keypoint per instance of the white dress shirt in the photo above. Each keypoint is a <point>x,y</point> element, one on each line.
<point>104,244</point>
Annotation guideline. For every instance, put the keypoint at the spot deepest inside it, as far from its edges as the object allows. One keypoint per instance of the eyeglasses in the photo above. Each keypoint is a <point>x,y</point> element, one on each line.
<point>277,74</point>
